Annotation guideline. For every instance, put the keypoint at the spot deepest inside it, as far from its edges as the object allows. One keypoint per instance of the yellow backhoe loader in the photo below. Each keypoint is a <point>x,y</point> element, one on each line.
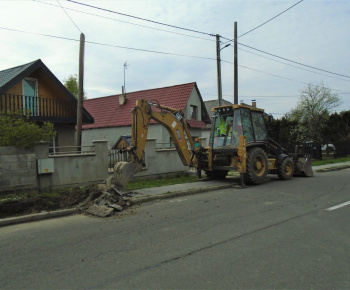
<point>239,141</point>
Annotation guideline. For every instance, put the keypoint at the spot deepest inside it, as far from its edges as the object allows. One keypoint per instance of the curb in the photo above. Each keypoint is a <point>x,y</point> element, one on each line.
<point>147,198</point>
<point>37,216</point>
<point>334,168</point>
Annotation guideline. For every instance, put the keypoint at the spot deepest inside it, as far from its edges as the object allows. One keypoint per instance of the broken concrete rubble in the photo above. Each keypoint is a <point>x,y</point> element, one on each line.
<point>106,199</point>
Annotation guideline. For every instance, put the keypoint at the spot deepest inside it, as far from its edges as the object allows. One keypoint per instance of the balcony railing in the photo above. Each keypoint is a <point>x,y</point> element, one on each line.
<point>38,108</point>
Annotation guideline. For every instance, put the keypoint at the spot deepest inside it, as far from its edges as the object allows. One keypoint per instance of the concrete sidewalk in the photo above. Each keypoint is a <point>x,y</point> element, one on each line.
<point>162,192</point>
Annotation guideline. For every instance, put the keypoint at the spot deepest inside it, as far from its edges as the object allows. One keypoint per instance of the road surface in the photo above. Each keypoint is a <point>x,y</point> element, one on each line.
<point>282,234</point>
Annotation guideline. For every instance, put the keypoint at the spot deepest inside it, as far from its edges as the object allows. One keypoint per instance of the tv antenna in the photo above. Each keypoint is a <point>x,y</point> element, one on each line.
<point>125,68</point>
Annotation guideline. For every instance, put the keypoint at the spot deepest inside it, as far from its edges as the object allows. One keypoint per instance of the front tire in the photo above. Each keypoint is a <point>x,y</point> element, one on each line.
<point>285,169</point>
<point>257,166</point>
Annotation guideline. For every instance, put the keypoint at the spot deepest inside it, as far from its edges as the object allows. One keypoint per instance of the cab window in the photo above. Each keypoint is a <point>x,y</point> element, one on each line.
<point>259,126</point>
<point>247,125</point>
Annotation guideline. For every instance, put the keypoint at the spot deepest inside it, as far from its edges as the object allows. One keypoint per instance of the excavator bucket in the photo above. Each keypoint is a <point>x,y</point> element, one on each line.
<point>302,166</point>
<point>124,171</point>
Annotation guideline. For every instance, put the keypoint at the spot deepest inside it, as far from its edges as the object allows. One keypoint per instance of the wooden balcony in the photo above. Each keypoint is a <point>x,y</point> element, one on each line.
<point>39,109</point>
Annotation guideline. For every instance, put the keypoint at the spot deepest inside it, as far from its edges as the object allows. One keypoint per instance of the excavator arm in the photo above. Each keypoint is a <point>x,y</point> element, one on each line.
<point>174,122</point>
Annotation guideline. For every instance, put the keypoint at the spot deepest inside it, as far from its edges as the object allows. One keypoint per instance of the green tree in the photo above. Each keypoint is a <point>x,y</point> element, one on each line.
<point>283,132</point>
<point>18,131</point>
<point>312,112</point>
<point>338,127</point>
<point>71,83</point>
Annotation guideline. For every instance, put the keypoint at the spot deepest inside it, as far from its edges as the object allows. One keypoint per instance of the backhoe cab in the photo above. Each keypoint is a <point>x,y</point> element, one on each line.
<point>239,141</point>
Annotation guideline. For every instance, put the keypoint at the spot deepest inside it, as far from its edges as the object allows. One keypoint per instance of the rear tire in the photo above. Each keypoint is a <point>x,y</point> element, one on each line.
<point>216,174</point>
<point>257,166</point>
<point>285,169</point>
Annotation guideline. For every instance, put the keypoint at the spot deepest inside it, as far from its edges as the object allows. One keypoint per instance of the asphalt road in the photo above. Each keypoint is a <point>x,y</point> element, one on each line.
<point>277,235</point>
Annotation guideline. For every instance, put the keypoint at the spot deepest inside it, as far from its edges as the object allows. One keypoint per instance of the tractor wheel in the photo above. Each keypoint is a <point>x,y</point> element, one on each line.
<point>257,166</point>
<point>216,174</point>
<point>285,169</point>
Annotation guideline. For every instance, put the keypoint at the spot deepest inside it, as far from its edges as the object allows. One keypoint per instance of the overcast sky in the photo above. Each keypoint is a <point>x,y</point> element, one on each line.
<point>314,33</point>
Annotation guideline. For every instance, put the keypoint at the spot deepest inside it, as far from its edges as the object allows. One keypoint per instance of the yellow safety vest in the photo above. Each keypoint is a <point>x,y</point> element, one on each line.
<point>222,127</point>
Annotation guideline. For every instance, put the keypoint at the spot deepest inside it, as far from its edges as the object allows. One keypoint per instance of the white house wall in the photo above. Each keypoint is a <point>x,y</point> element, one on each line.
<point>193,100</point>
<point>155,131</point>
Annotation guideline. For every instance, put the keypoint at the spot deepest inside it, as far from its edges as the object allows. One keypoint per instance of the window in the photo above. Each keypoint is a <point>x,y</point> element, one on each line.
<point>259,126</point>
<point>30,93</point>
<point>194,112</point>
<point>247,125</point>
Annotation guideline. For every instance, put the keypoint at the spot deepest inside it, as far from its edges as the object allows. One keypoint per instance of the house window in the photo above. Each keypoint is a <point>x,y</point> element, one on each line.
<point>194,112</point>
<point>30,93</point>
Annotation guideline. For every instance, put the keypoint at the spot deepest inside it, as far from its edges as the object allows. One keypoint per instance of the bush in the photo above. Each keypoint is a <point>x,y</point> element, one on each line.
<point>19,131</point>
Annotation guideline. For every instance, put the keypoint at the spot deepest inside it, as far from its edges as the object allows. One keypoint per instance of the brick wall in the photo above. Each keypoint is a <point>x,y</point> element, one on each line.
<point>17,168</point>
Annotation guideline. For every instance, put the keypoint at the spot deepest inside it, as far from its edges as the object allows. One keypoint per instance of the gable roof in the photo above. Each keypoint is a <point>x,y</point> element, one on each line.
<point>215,103</point>
<point>8,76</point>
<point>11,76</point>
<point>107,111</point>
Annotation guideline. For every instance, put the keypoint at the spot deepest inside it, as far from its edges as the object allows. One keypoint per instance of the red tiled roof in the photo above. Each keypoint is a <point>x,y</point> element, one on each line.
<point>197,124</point>
<point>108,113</point>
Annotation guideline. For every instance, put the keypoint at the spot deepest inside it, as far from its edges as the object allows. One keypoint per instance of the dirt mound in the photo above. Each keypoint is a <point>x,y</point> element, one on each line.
<point>93,199</point>
<point>65,199</point>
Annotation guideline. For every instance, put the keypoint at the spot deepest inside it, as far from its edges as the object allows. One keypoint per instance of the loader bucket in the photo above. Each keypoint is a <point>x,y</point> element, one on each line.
<point>124,171</point>
<point>302,166</point>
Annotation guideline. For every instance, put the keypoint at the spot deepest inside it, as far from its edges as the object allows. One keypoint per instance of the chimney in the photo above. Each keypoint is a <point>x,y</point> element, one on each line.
<point>122,97</point>
<point>254,103</point>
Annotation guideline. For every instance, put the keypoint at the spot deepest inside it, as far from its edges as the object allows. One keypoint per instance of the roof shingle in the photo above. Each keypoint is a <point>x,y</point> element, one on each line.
<point>9,74</point>
<point>107,112</point>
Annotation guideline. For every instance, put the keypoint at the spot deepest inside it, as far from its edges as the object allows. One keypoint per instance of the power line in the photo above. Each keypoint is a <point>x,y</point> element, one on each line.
<point>140,18</point>
<point>110,45</point>
<point>160,52</point>
<point>151,51</point>
<point>68,16</point>
<point>293,61</point>
<point>127,22</point>
<point>288,79</point>
<point>39,34</point>
<point>173,26</point>
<point>270,19</point>
<point>294,65</point>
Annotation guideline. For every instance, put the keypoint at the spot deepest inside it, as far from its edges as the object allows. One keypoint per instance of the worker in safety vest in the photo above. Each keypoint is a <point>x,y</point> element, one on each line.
<point>225,129</point>
<point>222,127</point>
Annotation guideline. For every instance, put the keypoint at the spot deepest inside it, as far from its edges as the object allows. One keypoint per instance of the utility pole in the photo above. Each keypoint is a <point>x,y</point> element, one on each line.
<point>235,89</point>
<point>218,66</point>
<point>80,92</point>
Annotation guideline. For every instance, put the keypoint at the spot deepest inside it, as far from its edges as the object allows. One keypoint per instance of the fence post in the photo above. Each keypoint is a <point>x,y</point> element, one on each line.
<point>101,151</point>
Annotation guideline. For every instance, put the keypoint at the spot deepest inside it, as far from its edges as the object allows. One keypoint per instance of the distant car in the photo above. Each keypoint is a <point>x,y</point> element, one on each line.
<point>328,148</point>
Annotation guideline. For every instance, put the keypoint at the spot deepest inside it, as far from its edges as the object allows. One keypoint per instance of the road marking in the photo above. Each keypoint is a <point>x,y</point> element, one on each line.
<point>338,206</point>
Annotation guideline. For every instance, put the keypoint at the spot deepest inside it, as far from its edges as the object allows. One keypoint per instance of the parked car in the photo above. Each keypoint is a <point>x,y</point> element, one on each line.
<point>328,149</point>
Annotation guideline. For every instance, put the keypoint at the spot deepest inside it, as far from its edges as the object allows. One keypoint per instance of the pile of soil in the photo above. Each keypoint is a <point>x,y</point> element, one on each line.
<point>99,199</point>
<point>66,199</point>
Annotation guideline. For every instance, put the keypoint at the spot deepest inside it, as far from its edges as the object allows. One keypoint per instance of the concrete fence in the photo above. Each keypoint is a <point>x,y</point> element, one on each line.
<point>36,169</point>
<point>160,161</point>
<point>17,168</point>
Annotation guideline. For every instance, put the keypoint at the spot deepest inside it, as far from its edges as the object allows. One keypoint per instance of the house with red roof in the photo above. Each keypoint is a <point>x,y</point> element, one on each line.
<point>112,114</point>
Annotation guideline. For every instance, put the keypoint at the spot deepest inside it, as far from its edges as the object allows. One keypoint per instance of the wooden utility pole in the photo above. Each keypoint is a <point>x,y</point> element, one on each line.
<point>80,92</point>
<point>218,65</point>
<point>235,89</point>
